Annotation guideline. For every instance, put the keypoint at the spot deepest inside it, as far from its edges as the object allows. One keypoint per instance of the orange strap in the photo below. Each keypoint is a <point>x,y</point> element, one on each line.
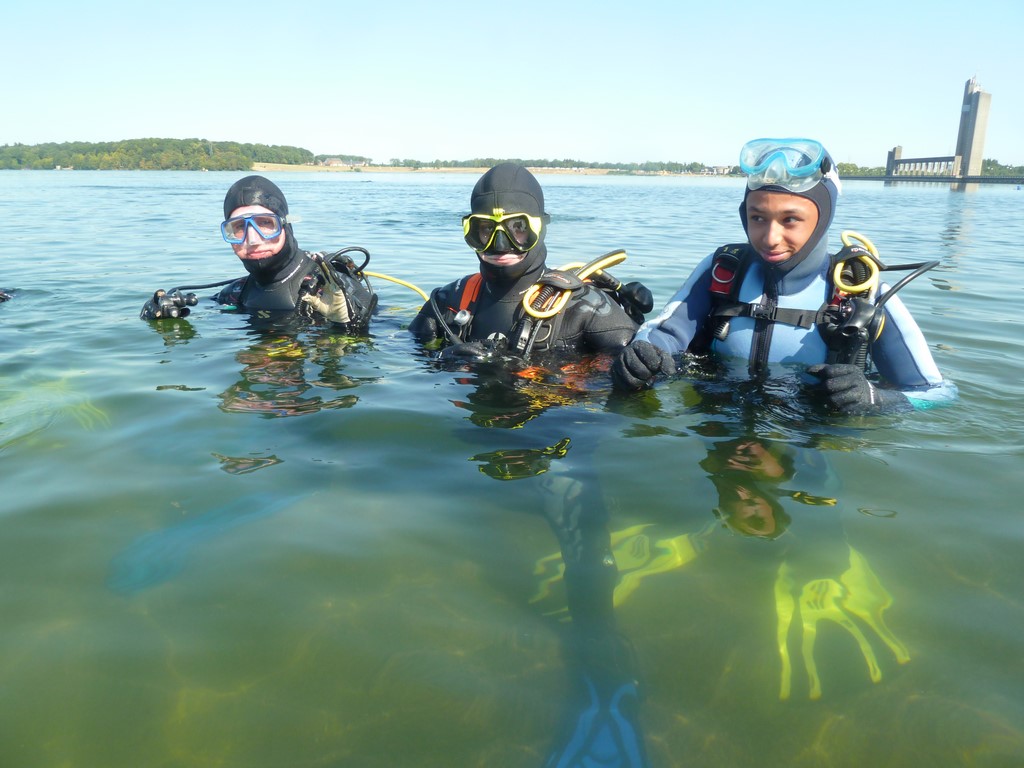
<point>470,290</point>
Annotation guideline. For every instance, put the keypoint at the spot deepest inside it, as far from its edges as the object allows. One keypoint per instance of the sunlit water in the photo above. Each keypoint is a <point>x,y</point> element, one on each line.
<point>222,546</point>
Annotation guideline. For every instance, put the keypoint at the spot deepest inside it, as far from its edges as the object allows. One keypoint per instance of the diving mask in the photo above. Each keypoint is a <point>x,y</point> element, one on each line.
<point>521,230</point>
<point>796,165</point>
<point>266,225</point>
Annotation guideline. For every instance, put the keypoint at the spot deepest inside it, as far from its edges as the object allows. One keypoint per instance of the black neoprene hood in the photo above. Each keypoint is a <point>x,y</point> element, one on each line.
<point>255,190</point>
<point>510,187</point>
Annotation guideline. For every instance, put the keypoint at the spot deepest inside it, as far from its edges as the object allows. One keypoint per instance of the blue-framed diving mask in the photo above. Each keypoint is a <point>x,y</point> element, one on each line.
<point>266,225</point>
<point>796,165</point>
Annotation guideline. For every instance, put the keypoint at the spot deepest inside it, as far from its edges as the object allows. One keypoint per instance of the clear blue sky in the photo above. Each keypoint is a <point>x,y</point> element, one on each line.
<point>594,81</point>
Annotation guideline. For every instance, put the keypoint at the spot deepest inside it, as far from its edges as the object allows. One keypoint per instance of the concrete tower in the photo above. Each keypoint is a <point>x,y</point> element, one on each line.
<point>970,141</point>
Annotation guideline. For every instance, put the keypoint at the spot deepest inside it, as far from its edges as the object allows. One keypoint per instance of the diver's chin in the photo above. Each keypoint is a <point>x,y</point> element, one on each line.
<point>502,259</point>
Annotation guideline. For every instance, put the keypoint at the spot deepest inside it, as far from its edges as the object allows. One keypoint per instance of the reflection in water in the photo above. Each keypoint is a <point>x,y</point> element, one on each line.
<point>243,465</point>
<point>812,575</point>
<point>518,463</point>
<point>273,384</point>
<point>601,723</point>
<point>810,586</point>
<point>273,376</point>
<point>819,577</point>
<point>766,460</point>
<point>159,556</point>
<point>508,395</point>
<point>174,332</point>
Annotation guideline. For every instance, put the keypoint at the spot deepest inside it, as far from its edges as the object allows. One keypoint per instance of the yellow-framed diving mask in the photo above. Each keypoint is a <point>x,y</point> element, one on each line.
<point>502,231</point>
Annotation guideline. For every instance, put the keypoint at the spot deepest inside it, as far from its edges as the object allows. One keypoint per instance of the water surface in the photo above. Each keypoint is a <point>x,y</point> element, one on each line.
<point>229,546</point>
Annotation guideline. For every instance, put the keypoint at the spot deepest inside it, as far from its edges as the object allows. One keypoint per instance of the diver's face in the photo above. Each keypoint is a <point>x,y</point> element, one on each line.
<point>751,513</point>
<point>779,224</point>
<point>255,248</point>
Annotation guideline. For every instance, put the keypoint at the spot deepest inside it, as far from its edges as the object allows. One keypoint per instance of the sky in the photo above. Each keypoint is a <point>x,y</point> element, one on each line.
<point>593,81</point>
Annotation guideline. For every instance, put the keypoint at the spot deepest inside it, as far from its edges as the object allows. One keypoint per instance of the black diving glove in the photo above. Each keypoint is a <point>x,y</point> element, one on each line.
<point>637,299</point>
<point>848,391</point>
<point>163,305</point>
<point>639,363</point>
<point>467,351</point>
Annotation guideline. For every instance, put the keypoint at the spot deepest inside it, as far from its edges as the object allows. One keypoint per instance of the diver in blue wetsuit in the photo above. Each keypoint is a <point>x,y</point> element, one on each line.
<point>283,279</point>
<point>778,299</point>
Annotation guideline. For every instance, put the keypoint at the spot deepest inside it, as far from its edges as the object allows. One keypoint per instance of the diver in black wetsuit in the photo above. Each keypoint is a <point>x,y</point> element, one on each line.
<point>484,314</point>
<point>5,296</point>
<point>282,277</point>
<point>506,228</point>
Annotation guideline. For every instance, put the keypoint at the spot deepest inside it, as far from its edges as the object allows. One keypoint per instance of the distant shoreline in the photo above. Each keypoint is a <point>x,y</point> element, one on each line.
<point>264,167</point>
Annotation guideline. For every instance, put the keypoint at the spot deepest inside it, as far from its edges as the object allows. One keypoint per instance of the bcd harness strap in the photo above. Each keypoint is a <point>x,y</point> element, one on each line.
<point>547,298</point>
<point>849,321</point>
<point>728,269</point>
<point>470,292</point>
<point>544,303</point>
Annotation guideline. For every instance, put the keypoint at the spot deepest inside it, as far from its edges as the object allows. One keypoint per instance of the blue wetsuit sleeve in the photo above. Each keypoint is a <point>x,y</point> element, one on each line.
<point>678,322</point>
<point>903,360</point>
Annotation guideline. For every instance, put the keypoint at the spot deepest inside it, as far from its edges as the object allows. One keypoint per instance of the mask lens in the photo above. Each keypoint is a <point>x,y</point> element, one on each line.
<point>483,232</point>
<point>518,228</point>
<point>269,225</point>
<point>233,230</point>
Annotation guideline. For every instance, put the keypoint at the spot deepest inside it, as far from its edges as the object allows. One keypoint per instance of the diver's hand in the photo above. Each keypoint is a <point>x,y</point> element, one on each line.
<point>164,305</point>
<point>637,295</point>
<point>469,350</point>
<point>639,363</point>
<point>331,301</point>
<point>848,391</point>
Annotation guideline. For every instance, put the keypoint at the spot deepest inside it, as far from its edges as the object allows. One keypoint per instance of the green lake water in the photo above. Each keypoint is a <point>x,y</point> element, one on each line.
<point>223,545</point>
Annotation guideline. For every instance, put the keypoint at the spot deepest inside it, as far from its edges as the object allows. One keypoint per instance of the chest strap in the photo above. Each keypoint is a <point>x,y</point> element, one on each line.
<point>802,318</point>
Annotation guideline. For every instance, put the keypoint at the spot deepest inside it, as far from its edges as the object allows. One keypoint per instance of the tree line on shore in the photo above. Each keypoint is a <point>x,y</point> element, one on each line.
<point>149,154</point>
<point>200,154</point>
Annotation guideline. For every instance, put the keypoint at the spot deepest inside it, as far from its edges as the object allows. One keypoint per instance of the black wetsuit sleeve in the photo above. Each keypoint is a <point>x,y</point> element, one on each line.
<point>426,327</point>
<point>231,293</point>
<point>604,325</point>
